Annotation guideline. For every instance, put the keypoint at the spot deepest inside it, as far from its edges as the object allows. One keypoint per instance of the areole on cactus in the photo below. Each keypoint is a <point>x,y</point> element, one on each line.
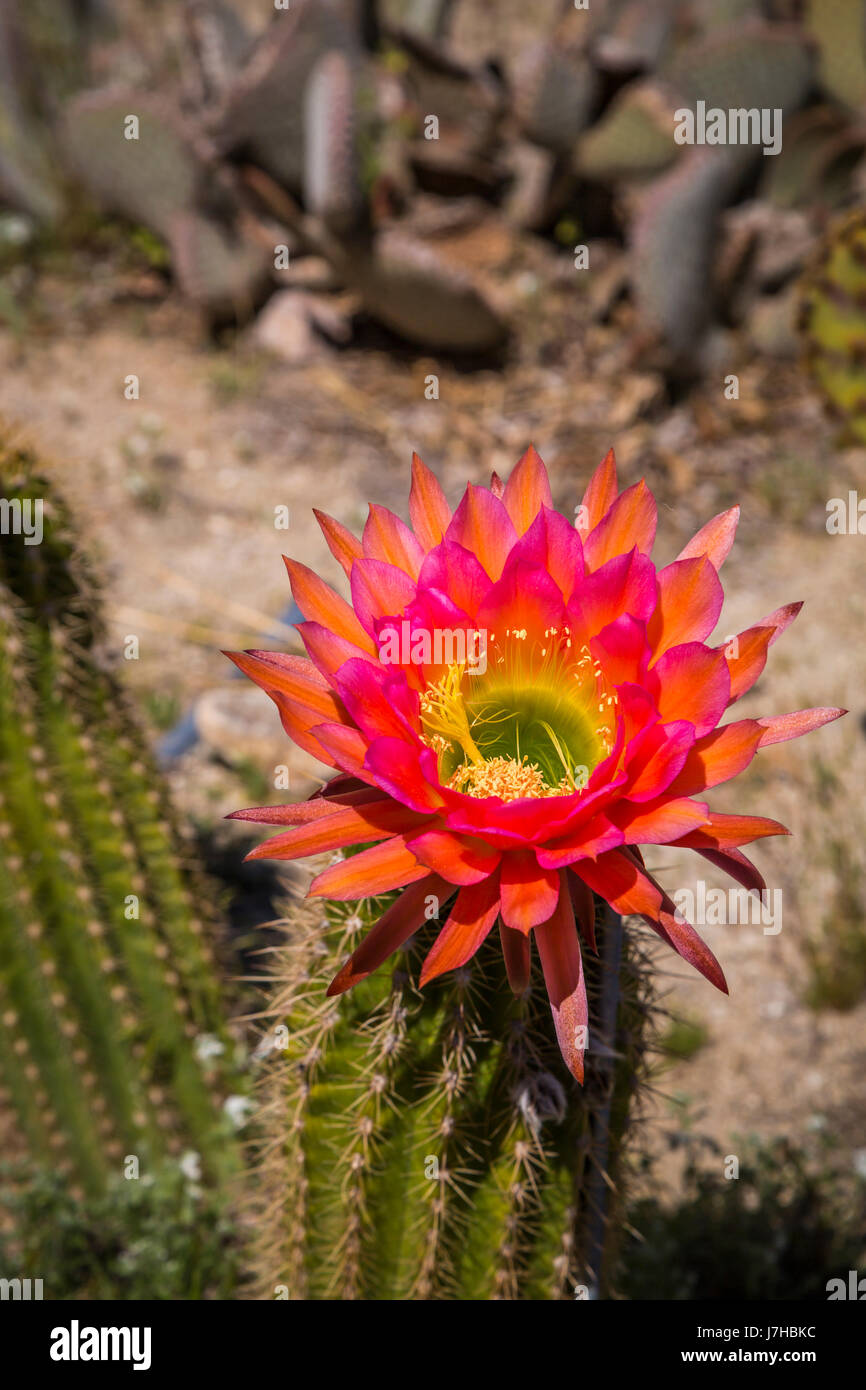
<point>521,784</point>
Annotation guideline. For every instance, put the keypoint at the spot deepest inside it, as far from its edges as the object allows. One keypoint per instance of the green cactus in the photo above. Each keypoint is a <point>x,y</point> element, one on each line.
<point>750,65</point>
<point>431,1145</point>
<point>333,188</point>
<point>150,175</point>
<point>166,178</point>
<point>815,162</point>
<point>555,96</point>
<point>217,267</point>
<point>636,36</point>
<point>633,139</point>
<point>839,29</point>
<point>673,242</point>
<point>262,114</point>
<point>112,1040</point>
<point>833,321</point>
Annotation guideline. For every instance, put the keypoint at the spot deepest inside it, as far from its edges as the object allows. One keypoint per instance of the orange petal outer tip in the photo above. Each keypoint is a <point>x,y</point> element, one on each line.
<point>714,540</point>
<point>320,604</point>
<point>472,917</point>
<point>428,509</point>
<point>388,538</point>
<point>601,493</point>
<point>778,728</point>
<point>344,547</point>
<point>376,870</point>
<point>559,949</point>
<point>527,491</point>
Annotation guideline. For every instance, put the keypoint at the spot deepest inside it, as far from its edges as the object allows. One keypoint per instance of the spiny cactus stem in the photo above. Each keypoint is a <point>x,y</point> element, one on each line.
<point>597,1187</point>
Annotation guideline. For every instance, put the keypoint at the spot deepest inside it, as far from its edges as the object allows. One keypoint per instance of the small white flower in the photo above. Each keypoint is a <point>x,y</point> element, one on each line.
<point>207,1045</point>
<point>190,1165</point>
<point>238,1109</point>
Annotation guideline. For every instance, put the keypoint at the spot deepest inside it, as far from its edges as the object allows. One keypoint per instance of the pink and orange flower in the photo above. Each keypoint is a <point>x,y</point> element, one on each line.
<point>521,785</point>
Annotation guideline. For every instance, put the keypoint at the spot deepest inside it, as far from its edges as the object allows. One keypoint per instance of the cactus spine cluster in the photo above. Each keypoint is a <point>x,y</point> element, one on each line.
<point>431,1145</point>
<point>833,321</point>
<point>112,1040</point>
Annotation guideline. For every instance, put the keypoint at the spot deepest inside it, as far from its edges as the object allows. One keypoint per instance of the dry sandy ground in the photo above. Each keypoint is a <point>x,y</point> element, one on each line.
<point>177,493</point>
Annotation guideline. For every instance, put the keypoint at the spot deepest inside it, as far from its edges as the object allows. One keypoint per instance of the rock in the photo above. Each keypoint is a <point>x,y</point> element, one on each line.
<point>288,324</point>
<point>284,328</point>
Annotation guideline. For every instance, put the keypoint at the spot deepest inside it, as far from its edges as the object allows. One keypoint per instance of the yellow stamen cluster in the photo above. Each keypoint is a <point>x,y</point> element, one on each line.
<point>447,725</point>
<point>504,777</point>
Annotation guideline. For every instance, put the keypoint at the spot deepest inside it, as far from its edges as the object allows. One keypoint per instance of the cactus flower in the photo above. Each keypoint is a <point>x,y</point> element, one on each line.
<point>514,705</point>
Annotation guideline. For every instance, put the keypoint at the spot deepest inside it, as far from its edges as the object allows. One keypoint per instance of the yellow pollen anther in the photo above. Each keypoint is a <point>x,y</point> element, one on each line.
<point>507,778</point>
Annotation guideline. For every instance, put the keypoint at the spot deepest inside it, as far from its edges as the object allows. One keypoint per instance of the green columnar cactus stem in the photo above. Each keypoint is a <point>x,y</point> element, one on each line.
<point>430,1144</point>
<point>106,976</point>
<point>833,321</point>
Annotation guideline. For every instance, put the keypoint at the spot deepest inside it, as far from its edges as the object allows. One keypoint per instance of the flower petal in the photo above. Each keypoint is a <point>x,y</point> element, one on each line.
<point>318,602</point>
<point>735,863</point>
<point>388,538</point>
<point>660,821</point>
<point>717,756</point>
<point>724,831</point>
<point>552,544</point>
<point>617,879</point>
<point>428,509</point>
<point>629,889</point>
<point>596,837</point>
<point>299,692</point>
<point>690,599</point>
<point>472,917</point>
<point>714,539</point>
<point>778,728</point>
<point>400,921</point>
<point>630,521</point>
<point>327,651</point>
<point>691,682</point>
<point>583,902</point>
<point>378,699</point>
<point>345,826</point>
<point>559,949</point>
<point>398,769</point>
<point>524,599</point>
<point>529,892</point>
<point>527,491</point>
<point>655,757</point>
<point>746,654</point>
<point>458,858</point>
<point>482,525</point>
<point>625,584</point>
<point>376,870</point>
<point>621,650</point>
<point>454,571</point>
<point>379,590</point>
<point>600,495</point>
<point>343,747</point>
<point>517,953</point>
<point>344,547</point>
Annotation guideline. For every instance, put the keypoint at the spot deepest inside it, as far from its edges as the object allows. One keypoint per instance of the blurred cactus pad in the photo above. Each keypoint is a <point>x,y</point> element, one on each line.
<point>430,1144</point>
<point>833,321</point>
<point>112,1035</point>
